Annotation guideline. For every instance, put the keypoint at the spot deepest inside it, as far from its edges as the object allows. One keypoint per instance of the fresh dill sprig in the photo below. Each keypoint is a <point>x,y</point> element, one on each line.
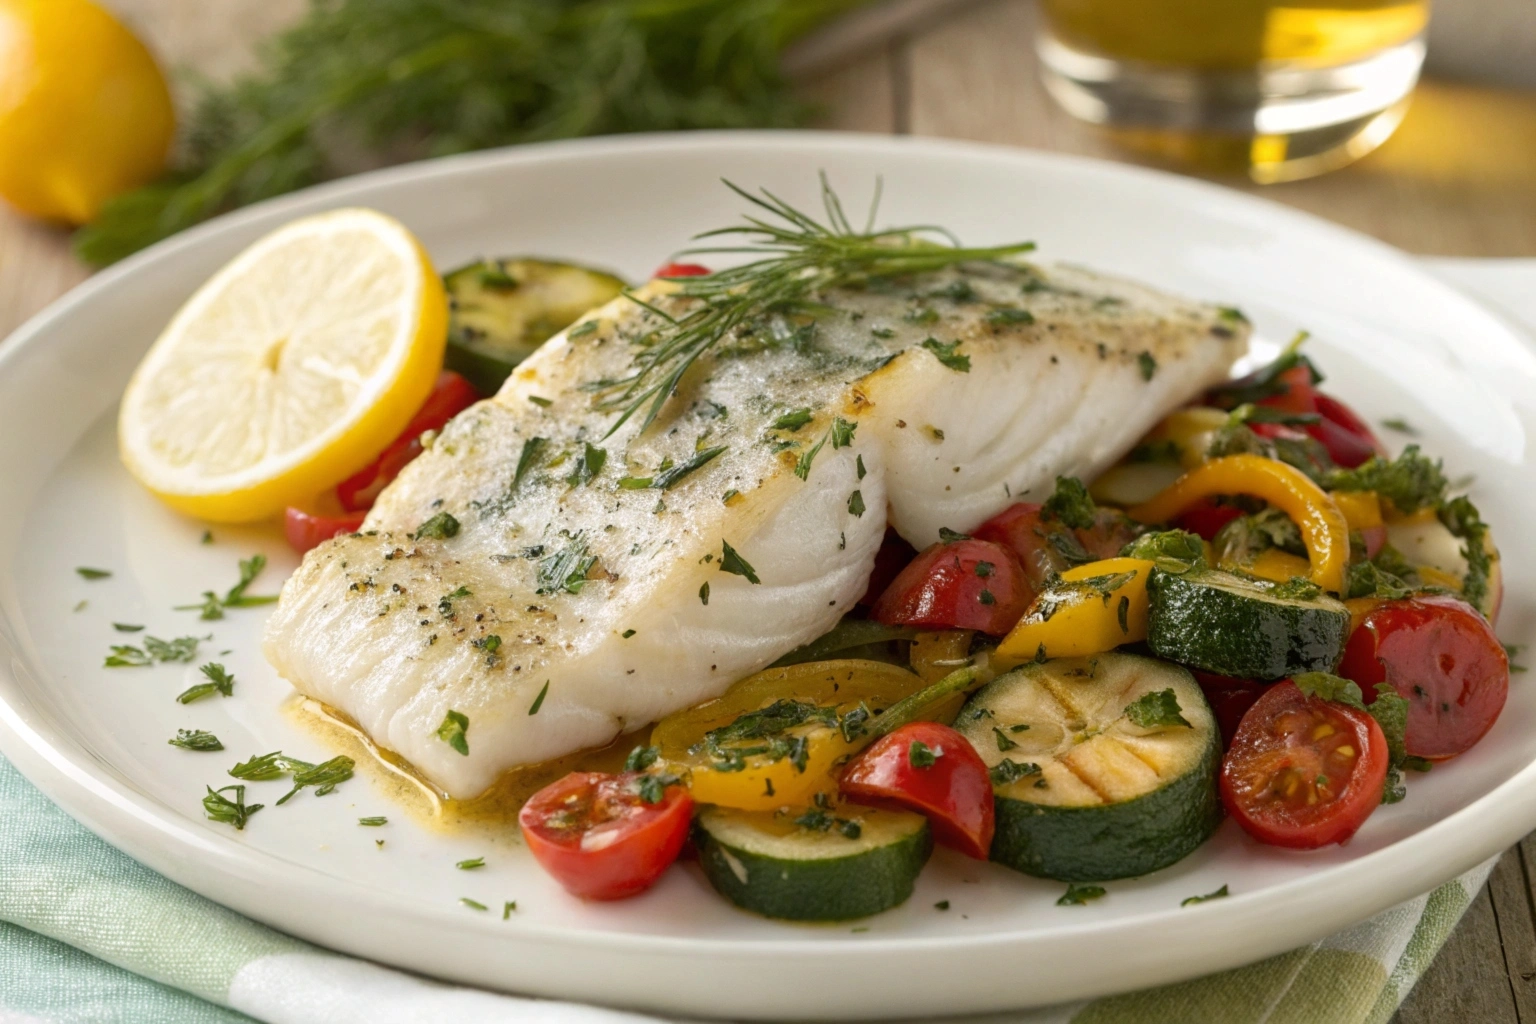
<point>413,78</point>
<point>796,256</point>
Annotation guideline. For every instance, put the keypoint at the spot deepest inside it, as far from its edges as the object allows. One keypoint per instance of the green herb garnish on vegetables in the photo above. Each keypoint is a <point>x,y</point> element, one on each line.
<point>454,732</point>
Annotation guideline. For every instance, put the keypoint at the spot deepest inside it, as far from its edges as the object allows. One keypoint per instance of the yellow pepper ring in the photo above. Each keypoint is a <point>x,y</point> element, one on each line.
<point>1323,527</point>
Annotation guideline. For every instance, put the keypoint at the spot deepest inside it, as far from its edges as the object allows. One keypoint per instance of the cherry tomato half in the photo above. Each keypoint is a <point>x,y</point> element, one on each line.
<point>682,270</point>
<point>450,396</point>
<point>306,530</point>
<point>966,584</point>
<point>1042,546</point>
<point>1303,772</point>
<point>1348,440</point>
<point>598,837</point>
<point>933,770</point>
<point>1443,657</point>
<point>1206,517</point>
<point>1229,698</point>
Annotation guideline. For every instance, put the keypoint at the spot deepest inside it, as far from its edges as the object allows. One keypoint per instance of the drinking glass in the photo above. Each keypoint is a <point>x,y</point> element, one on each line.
<point>1277,90</point>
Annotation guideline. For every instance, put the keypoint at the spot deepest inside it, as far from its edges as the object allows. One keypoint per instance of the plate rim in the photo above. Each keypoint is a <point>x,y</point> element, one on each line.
<point>111,807</point>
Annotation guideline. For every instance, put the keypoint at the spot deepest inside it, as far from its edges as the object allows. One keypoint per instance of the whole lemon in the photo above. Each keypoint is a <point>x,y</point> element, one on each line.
<point>85,113</point>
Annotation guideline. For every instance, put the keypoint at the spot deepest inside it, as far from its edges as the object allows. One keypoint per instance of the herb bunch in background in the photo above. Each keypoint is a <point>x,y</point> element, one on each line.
<point>412,78</point>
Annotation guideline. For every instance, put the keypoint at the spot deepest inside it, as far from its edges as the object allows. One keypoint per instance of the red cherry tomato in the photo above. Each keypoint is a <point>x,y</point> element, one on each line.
<point>1107,537</point>
<point>966,584</point>
<point>1020,529</point>
<point>306,530</point>
<point>1348,440</point>
<point>451,396</point>
<point>682,270</point>
<point>1443,657</point>
<point>1229,698</point>
<point>893,556</point>
<point>599,839</point>
<point>933,770</point>
<point>1303,772</point>
<point>1206,517</point>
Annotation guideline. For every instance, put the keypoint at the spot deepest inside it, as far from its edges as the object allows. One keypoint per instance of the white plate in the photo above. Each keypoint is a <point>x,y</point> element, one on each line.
<point>1395,342</point>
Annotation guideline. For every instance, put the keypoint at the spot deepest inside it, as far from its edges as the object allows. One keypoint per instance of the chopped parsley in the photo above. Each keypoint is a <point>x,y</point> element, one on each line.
<point>1191,900</point>
<point>1003,742</point>
<point>627,634</point>
<point>840,433</point>
<point>856,504</point>
<point>533,449</point>
<point>1070,504</point>
<point>540,401</point>
<point>212,606</point>
<point>1461,517</point>
<point>1147,364</point>
<point>948,354</point>
<point>941,905</point>
<point>538,701</point>
<point>195,739</point>
<point>1007,315</point>
<point>1400,425</point>
<point>1008,771</point>
<point>732,562</point>
<point>507,908</point>
<point>704,593</point>
<point>219,681</point>
<point>1411,481</point>
<point>442,526</point>
<point>373,822</point>
<point>124,627</point>
<point>793,420</point>
<point>221,808</point>
<point>566,570</point>
<point>455,732</point>
<point>921,755</point>
<point>471,864</point>
<point>948,536</point>
<point>1156,710</point>
<point>182,649</point>
<point>589,465</point>
<point>1079,895</point>
<point>641,758</point>
<point>668,478</point>
<point>1175,551</point>
<point>87,573</point>
<point>473,904</point>
<point>324,777</point>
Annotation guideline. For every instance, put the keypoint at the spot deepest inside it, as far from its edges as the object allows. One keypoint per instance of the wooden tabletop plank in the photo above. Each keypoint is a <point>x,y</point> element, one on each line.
<point>1512,899</point>
<point>1467,982</point>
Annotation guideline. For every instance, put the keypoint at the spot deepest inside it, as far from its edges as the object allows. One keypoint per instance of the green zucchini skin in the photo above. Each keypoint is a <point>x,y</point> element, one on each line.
<point>1097,844</point>
<point>1219,622</point>
<point>501,310</point>
<point>843,888</point>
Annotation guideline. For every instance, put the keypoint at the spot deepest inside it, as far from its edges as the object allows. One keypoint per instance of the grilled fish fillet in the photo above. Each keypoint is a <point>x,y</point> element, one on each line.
<point>586,586</point>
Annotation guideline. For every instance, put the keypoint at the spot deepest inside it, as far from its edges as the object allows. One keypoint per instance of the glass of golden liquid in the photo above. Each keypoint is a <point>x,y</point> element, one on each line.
<point>1275,90</point>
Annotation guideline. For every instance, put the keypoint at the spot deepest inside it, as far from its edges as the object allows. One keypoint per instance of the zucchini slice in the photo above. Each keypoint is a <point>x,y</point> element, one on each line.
<point>813,865</point>
<point>1101,780</point>
<point>1239,625</point>
<point>503,309</point>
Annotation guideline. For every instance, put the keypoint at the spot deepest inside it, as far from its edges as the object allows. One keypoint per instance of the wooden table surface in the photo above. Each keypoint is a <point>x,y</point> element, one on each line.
<point>1458,179</point>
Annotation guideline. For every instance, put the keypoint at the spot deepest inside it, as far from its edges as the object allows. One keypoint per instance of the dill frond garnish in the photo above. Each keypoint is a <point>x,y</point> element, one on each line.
<point>796,257</point>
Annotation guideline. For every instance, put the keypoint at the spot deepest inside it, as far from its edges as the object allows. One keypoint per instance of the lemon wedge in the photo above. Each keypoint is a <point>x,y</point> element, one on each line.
<point>289,370</point>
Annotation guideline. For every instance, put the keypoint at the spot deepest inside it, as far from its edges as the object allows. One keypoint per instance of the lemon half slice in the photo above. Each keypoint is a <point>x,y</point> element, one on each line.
<point>289,370</point>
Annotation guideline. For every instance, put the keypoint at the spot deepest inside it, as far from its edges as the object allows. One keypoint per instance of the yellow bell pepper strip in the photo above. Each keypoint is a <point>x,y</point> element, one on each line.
<point>1092,609</point>
<point>1279,566</point>
<point>777,738</point>
<point>1362,509</point>
<point>1323,527</point>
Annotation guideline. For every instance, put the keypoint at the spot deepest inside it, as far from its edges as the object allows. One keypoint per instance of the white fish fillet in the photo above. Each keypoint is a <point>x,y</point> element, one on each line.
<point>396,632</point>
